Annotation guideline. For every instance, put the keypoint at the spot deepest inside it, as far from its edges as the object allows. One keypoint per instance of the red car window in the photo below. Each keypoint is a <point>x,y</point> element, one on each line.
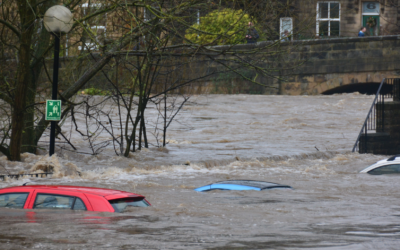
<point>120,205</point>
<point>54,201</point>
<point>79,205</point>
<point>59,199</point>
<point>13,200</point>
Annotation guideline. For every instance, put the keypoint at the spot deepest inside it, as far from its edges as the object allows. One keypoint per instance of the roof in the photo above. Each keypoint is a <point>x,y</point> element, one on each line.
<point>89,190</point>
<point>250,183</point>
<point>241,185</point>
<point>392,160</point>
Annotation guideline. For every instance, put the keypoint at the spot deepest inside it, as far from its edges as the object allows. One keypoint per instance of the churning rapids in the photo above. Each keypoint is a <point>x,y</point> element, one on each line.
<point>302,141</point>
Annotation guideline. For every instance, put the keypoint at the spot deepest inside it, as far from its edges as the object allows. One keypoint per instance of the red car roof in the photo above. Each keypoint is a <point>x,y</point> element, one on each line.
<point>107,193</point>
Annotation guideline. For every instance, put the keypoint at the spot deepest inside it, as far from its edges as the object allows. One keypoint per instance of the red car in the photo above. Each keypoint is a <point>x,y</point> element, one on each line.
<point>70,197</point>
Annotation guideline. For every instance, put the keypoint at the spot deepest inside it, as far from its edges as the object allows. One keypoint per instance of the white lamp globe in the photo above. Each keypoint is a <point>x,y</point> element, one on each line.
<point>58,19</point>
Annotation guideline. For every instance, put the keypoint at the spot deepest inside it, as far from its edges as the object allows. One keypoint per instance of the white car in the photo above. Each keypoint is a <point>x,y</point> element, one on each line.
<point>388,166</point>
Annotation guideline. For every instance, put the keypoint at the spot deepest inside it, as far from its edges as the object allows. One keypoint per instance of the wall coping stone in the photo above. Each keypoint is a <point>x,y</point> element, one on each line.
<point>307,42</point>
<point>262,44</point>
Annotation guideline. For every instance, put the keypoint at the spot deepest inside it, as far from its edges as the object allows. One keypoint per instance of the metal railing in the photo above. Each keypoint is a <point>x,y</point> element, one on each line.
<point>17,176</point>
<point>376,115</point>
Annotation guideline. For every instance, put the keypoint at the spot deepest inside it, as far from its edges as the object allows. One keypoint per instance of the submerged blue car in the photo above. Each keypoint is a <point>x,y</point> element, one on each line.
<point>241,185</point>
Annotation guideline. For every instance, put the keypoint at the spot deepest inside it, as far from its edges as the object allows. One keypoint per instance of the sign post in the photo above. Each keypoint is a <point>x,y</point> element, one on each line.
<point>53,114</point>
<point>53,110</point>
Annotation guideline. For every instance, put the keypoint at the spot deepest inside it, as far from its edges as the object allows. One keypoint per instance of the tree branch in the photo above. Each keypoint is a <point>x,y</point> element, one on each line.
<point>5,98</point>
<point>11,27</point>
<point>5,151</point>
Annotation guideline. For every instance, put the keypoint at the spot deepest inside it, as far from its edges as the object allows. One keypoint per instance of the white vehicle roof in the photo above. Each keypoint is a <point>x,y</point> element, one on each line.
<point>392,160</point>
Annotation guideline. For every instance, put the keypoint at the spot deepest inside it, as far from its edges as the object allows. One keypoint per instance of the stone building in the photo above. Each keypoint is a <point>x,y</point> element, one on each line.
<point>304,19</point>
<point>344,18</point>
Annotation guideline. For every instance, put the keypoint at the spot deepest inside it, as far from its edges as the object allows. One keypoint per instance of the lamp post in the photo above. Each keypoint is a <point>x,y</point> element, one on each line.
<point>57,20</point>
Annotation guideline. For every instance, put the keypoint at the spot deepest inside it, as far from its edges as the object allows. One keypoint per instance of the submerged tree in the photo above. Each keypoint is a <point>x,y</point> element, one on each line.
<point>145,37</point>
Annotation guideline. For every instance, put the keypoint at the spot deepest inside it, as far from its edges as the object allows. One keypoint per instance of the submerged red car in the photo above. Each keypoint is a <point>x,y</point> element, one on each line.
<point>70,197</point>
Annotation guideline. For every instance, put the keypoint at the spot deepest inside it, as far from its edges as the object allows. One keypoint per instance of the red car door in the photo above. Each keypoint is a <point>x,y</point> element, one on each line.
<point>39,191</point>
<point>17,190</point>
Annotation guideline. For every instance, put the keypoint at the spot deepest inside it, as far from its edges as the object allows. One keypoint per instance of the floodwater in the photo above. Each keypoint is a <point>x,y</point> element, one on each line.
<point>301,141</point>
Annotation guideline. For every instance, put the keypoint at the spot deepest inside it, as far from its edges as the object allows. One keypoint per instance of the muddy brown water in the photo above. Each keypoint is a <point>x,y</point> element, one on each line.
<point>271,138</point>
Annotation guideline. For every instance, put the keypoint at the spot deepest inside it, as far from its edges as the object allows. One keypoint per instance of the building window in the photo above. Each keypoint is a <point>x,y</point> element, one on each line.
<point>148,15</point>
<point>193,16</point>
<point>370,8</point>
<point>97,26</point>
<point>328,18</point>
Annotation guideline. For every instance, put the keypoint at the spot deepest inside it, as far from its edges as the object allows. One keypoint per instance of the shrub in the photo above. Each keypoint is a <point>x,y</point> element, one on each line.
<point>94,91</point>
<point>226,26</point>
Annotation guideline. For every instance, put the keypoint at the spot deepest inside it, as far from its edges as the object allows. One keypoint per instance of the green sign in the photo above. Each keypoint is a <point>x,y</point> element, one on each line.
<point>53,110</point>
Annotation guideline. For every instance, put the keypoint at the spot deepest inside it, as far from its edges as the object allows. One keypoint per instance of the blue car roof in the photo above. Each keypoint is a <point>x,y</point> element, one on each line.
<point>241,185</point>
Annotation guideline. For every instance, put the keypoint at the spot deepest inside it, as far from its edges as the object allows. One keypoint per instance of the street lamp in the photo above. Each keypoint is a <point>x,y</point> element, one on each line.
<point>57,20</point>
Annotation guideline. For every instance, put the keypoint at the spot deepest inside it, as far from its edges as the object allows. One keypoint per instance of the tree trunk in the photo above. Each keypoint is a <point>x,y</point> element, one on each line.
<point>28,137</point>
<point>23,78</point>
<point>28,140</point>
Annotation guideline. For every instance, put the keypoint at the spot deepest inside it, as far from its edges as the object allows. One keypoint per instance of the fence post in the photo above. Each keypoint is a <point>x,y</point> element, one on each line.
<point>396,90</point>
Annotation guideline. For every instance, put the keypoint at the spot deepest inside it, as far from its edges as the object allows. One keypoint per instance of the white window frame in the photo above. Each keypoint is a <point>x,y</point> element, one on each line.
<point>89,46</point>
<point>198,17</point>
<point>319,19</point>
<point>281,30</point>
<point>85,5</point>
<point>66,45</point>
<point>147,15</point>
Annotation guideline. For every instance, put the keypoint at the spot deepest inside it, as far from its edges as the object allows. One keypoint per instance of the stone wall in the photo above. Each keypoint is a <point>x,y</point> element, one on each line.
<point>335,62</point>
<point>326,64</point>
<point>329,63</point>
